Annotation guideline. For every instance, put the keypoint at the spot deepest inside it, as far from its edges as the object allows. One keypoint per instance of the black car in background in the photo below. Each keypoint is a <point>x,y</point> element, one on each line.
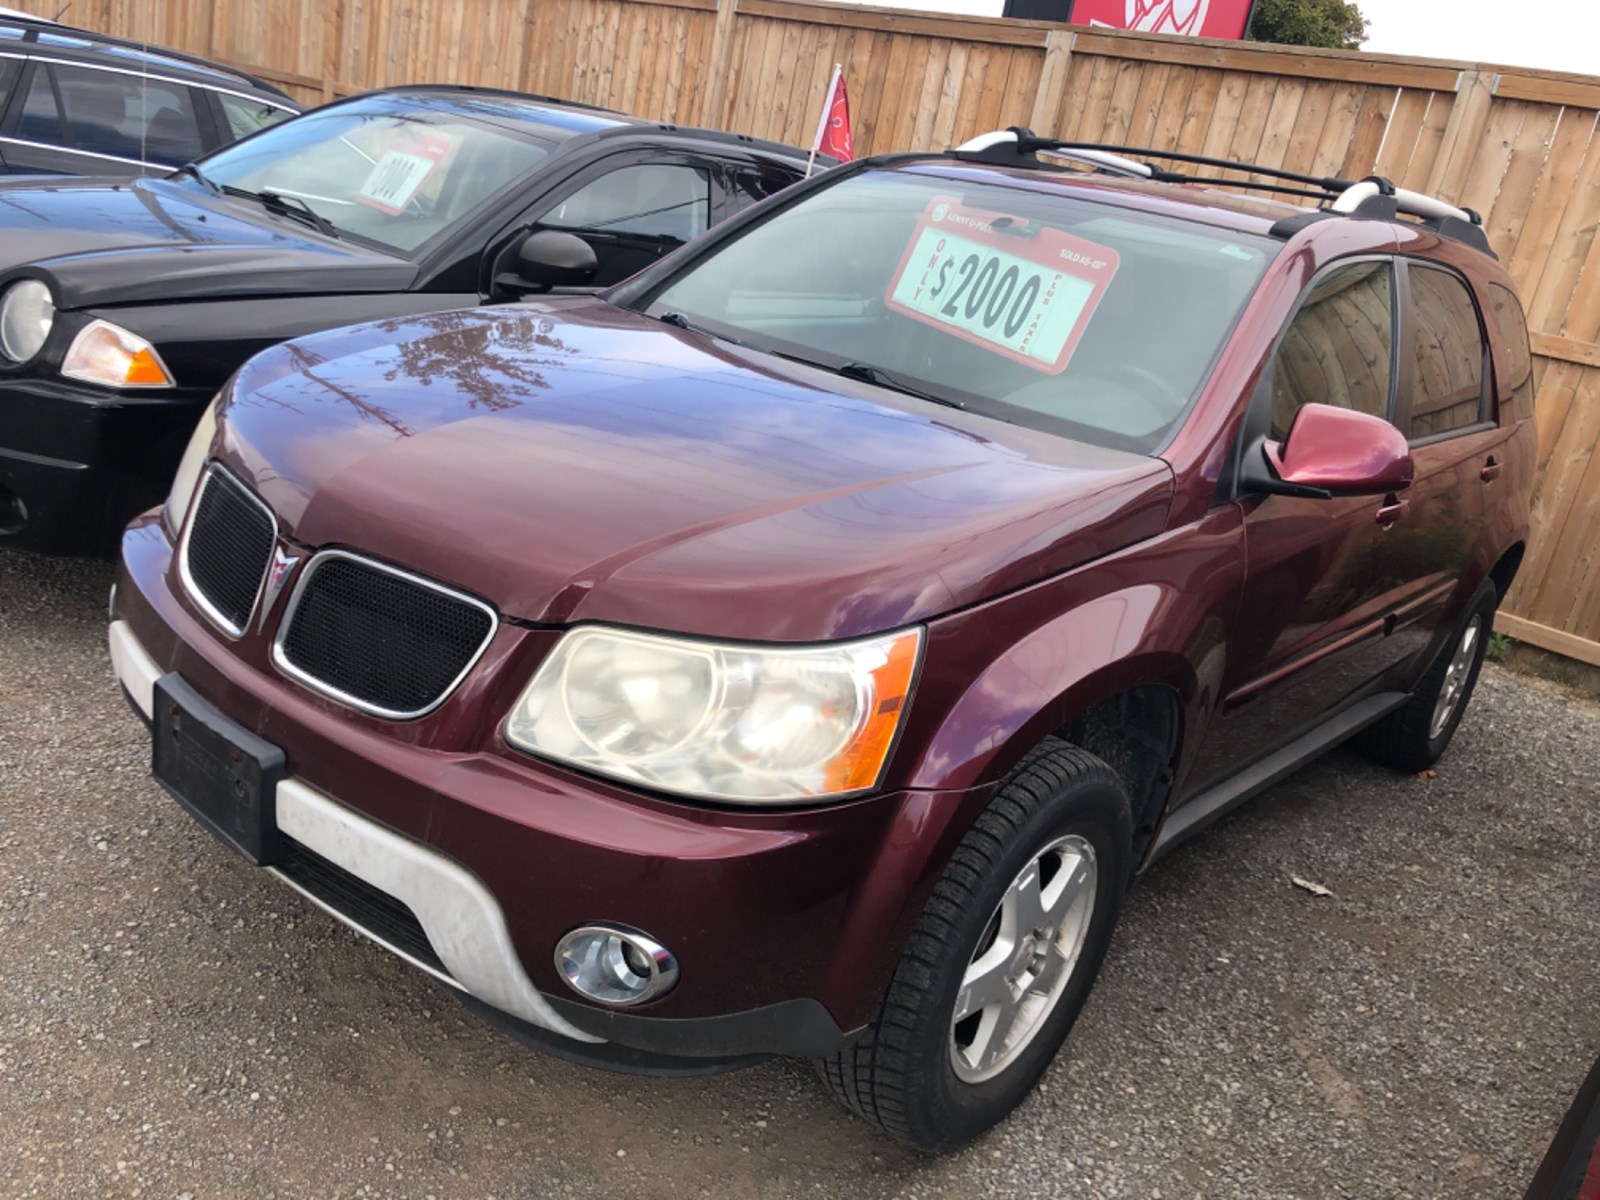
<point>80,103</point>
<point>124,306</point>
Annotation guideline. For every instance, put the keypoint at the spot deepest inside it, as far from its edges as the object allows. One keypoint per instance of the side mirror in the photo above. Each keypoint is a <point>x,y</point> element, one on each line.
<point>1331,452</point>
<point>545,259</point>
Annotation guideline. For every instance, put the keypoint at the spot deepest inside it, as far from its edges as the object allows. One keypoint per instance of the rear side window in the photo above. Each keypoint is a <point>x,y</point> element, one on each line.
<point>8,76</point>
<point>127,116</point>
<point>753,184</point>
<point>245,117</point>
<point>1519,356</point>
<point>1447,364</point>
<point>1339,349</point>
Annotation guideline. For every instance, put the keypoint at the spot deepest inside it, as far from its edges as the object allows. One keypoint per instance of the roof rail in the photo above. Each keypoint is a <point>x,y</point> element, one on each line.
<point>35,25</point>
<point>1374,197</point>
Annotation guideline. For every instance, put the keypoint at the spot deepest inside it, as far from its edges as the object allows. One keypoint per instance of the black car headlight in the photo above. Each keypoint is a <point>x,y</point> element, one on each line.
<point>27,312</point>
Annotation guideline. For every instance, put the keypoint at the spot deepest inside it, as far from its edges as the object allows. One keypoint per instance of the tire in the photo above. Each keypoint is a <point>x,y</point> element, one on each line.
<point>910,1071</point>
<point>1412,738</point>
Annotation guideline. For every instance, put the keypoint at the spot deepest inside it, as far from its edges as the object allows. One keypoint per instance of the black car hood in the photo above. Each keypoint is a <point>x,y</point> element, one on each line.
<point>106,242</point>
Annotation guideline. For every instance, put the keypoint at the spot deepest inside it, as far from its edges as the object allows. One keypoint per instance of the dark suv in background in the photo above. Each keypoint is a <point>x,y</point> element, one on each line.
<point>80,103</point>
<point>801,648</point>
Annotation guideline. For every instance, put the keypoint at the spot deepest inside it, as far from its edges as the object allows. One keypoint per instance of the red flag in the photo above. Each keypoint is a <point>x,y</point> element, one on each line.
<point>833,130</point>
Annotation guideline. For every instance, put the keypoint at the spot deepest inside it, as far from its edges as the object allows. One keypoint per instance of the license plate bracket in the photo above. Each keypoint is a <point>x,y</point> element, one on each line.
<point>224,775</point>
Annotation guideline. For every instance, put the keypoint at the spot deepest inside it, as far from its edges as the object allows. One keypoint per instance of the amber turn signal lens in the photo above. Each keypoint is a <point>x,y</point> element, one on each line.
<point>109,355</point>
<point>859,766</point>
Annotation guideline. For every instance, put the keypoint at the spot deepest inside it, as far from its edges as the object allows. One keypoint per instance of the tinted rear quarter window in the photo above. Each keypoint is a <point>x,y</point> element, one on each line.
<point>1448,353</point>
<point>1339,348</point>
<point>1519,356</point>
<point>245,116</point>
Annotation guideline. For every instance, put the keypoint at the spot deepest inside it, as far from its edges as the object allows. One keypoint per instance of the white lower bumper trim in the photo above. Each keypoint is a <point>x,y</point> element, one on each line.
<point>136,669</point>
<point>463,921</point>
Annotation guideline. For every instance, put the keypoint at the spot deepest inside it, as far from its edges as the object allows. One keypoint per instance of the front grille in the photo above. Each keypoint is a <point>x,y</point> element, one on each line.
<point>378,638</point>
<point>358,902</point>
<point>227,549</point>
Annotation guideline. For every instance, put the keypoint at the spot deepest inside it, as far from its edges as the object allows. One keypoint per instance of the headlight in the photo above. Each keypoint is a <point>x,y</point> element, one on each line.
<point>188,476</point>
<point>26,315</point>
<point>720,721</point>
<point>108,354</point>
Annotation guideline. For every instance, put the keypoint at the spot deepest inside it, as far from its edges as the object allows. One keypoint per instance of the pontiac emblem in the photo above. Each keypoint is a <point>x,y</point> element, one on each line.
<point>277,575</point>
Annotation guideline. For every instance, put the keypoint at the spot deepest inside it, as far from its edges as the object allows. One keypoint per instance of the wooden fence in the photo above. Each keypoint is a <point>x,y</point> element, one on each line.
<point>1520,146</point>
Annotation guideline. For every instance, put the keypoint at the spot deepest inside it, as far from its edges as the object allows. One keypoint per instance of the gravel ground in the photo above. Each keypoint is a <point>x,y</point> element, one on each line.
<point>173,1024</point>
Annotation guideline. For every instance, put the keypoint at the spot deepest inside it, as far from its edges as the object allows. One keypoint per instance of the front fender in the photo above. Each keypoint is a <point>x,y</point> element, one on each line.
<point>1000,677</point>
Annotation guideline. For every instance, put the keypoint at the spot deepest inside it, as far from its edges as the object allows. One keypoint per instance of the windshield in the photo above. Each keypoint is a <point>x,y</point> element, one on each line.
<point>382,170</point>
<point>1078,318</point>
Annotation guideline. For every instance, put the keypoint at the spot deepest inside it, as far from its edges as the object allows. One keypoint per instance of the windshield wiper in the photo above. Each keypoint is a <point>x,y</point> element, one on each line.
<point>866,373</point>
<point>678,321</point>
<point>193,169</point>
<point>286,206</point>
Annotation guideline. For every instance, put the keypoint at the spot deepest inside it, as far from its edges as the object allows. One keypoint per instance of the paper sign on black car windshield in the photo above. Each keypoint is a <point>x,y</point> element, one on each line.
<point>399,174</point>
<point>1015,287</point>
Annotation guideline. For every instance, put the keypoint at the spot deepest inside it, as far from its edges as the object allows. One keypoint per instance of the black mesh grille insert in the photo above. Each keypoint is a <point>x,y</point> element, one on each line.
<point>230,545</point>
<point>379,913</point>
<point>388,641</point>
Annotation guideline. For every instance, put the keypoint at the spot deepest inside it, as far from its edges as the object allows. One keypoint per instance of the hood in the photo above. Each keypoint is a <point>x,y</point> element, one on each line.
<point>578,462</point>
<point>102,241</point>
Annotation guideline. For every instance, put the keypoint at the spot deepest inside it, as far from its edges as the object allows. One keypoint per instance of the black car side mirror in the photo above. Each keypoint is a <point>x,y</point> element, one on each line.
<point>545,259</point>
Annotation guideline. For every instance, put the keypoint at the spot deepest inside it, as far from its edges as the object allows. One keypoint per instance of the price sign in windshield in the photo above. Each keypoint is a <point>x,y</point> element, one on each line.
<point>1017,288</point>
<point>399,174</point>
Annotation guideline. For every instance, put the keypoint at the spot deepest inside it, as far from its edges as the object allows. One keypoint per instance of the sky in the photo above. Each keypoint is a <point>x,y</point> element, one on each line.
<point>1556,35</point>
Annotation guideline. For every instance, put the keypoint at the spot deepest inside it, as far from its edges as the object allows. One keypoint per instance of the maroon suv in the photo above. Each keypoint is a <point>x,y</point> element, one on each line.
<point>800,648</point>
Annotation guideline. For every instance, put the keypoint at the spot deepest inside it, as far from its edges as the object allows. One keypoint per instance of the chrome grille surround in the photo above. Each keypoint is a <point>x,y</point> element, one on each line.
<point>254,508</point>
<point>282,653</point>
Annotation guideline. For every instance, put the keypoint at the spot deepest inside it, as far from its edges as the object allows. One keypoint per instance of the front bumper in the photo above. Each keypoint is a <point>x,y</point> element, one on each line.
<point>786,925</point>
<point>77,462</point>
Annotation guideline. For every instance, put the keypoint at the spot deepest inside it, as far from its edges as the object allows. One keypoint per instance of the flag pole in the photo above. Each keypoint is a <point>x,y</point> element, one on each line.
<point>827,107</point>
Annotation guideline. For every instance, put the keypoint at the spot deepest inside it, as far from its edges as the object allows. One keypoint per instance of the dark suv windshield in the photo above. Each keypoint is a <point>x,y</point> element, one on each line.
<point>381,169</point>
<point>1045,310</point>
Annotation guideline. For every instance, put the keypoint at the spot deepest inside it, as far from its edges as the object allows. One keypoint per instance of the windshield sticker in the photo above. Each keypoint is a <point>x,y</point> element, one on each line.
<point>1016,287</point>
<point>401,171</point>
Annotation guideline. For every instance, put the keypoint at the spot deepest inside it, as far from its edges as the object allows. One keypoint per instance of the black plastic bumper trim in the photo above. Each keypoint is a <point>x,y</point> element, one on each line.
<point>800,1028</point>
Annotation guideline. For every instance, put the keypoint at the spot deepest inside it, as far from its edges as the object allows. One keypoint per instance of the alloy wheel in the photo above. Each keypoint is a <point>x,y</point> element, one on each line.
<point>1025,959</point>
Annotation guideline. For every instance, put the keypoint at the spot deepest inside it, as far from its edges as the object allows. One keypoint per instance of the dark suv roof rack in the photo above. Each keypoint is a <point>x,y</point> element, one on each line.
<point>1373,198</point>
<point>35,26</point>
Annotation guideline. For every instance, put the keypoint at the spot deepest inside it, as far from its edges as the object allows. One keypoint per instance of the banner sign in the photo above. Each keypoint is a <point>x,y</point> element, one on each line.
<point>1194,18</point>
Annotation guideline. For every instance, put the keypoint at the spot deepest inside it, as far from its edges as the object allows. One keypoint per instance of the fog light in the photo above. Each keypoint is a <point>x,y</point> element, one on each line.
<point>615,965</point>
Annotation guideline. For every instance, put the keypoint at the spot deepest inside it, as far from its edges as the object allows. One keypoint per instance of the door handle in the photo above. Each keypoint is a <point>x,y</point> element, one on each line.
<point>1393,509</point>
<point>1491,471</point>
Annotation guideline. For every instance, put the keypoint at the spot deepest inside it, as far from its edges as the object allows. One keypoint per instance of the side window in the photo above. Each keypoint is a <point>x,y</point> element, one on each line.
<point>1447,366</point>
<point>1519,356</point>
<point>754,184</point>
<point>1339,348</point>
<point>245,116</point>
<point>8,76</point>
<point>41,117</point>
<point>656,200</point>
<point>127,116</point>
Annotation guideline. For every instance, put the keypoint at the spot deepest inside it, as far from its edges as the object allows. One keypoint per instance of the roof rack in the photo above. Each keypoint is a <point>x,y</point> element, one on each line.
<point>1374,198</point>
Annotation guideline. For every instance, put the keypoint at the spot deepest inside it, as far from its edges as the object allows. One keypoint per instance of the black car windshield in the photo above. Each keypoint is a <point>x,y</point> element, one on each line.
<point>381,169</point>
<point>1086,319</point>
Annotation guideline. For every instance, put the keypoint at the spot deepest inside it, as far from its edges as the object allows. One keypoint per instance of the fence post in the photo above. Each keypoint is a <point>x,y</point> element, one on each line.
<point>1052,81</point>
<point>332,47</point>
<point>721,56</point>
<point>1463,134</point>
